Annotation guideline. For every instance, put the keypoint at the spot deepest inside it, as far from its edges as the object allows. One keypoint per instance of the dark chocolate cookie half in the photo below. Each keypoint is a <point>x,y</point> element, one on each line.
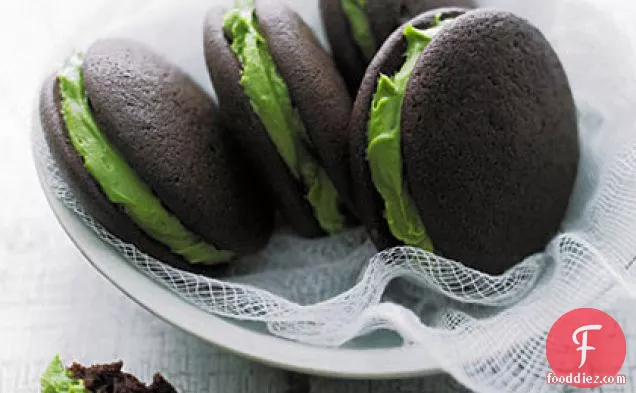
<point>88,192</point>
<point>316,92</point>
<point>249,132</point>
<point>387,61</point>
<point>167,129</point>
<point>347,55</point>
<point>316,88</point>
<point>490,140</point>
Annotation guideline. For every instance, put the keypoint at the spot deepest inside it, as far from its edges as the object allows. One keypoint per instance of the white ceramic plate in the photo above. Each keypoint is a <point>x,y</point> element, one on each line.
<point>175,29</point>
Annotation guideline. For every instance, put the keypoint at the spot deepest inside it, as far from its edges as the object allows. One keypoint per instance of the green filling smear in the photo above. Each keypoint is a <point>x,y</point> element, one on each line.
<point>384,149</point>
<point>118,181</point>
<point>270,99</point>
<point>56,379</point>
<point>360,26</point>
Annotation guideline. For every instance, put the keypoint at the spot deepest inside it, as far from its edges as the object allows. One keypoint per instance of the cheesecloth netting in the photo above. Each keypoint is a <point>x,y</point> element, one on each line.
<point>488,332</point>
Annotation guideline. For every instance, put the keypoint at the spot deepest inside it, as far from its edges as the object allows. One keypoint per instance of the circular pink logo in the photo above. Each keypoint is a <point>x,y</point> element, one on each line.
<point>586,348</point>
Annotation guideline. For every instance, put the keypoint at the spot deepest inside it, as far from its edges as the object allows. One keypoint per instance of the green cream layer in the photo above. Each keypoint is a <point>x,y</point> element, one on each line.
<point>118,180</point>
<point>384,144</point>
<point>270,99</point>
<point>360,26</point>
<point>56,379</point>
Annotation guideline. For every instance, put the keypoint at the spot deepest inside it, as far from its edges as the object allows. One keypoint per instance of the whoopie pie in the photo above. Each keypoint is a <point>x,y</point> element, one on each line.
<point>288,108</point>
<point>356,29</point>
<point>464,139</point>
<point>141,146</point>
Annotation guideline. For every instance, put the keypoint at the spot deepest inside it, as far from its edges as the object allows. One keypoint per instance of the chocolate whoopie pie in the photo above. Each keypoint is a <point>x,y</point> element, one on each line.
<point>468,145</point>
<point>288,108</point>
<point>140,144</point>
<point>357,28</point>
<point>97,379</point>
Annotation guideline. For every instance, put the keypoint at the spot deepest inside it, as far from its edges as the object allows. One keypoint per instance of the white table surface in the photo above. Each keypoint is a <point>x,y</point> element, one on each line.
<point>51,300</point>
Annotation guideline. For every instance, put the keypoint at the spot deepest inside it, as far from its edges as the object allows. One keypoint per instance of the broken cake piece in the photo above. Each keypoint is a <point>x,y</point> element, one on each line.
<point>97,379</point>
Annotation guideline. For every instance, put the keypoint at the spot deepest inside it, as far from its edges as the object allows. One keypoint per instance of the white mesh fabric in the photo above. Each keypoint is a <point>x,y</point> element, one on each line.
<point>488,332</point>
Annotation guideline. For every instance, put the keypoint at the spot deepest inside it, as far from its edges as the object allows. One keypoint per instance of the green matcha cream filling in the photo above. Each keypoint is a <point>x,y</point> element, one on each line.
<point>360,26</point>
<point>384,148</point>
<point>57,379</point>
<point>270,99</point>
<point>118,180</point>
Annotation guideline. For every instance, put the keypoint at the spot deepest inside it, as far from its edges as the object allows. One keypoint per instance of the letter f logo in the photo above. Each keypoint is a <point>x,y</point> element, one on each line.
<point>583,344</point>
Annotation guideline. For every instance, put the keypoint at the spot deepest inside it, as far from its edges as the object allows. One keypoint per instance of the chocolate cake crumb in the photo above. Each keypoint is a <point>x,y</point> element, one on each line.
<point>109,378</point>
